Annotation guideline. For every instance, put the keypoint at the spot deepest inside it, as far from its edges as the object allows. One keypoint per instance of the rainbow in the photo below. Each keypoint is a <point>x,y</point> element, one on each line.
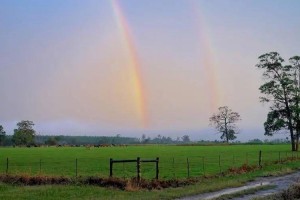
<point>135,73</point>
<point>208,59</point>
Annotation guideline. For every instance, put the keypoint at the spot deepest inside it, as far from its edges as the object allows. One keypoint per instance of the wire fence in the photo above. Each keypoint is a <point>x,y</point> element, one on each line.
<point>169,167</point>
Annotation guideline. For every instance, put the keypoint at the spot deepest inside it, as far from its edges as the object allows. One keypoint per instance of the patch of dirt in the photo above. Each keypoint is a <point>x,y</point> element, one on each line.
<point>282,183</point>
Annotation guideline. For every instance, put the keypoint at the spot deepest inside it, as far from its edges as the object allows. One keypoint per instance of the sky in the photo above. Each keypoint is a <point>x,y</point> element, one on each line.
<point>133,67</point>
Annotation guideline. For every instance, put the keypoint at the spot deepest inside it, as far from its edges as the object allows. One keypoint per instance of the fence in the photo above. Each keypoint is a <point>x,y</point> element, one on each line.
<point>168,168</point>
<point>138,162</point>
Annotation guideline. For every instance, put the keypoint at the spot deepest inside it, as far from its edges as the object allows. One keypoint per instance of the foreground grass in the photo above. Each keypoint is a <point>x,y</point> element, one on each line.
<point>94,192</point>
<point>203,160</point>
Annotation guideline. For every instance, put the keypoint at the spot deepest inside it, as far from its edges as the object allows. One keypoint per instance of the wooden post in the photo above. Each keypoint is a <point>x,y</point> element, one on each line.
<point>220,163</point>
<point>259,159</point>
<point>124,170</point>
<point>110,167</point>
<point>279,159</point>
<point>174,173</point>
<point>6,165</point>
<point>76,167</point>
<point>40,165</point>
<point>188,167</point>
<point>203,165</point>
<point>138,167</point>
<point>157,169</point>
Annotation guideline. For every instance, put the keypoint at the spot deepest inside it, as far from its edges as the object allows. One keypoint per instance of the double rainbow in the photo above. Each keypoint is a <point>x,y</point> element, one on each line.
<point>135,67</point>
<point>134,63</point>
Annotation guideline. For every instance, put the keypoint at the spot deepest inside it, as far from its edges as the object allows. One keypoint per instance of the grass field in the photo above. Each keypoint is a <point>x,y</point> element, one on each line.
<point>203,160</point>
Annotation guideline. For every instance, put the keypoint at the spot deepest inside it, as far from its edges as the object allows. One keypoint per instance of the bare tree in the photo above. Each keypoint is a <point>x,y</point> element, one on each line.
<point>225,122</point>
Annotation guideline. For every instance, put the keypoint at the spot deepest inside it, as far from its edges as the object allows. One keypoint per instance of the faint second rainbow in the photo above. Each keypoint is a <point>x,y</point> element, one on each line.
<point>135,71</point>
<point>208,59</point>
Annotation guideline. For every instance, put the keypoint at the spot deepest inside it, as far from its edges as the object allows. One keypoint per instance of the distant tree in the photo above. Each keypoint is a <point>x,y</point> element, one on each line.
<point>52,141</point>
<point>143,138</point>
<point>24,134</point>
<point>2,135</point>
<point>255,141</point>
<point>282,90</point>
<point>185,139</point>
<point>225,122</point>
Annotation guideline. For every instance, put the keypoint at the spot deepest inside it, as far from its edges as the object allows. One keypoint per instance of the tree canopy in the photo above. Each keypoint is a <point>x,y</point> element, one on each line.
<point>2,135</point>
<point>24,134</point>
<point>281,91</point>
<point>225,122</point>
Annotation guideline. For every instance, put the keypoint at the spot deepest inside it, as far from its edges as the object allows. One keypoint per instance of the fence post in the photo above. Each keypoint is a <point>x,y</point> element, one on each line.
<point>220,163</point>
<point>259,159</point>
<point>203,165</point>
<point>40,165</point>
<point>188,167</point>
<point>110,167</point>
<point>174,168</point>
<point>6,165</point>
<point>76,167</point>
<point>157,169</point>
<point>138,167</point>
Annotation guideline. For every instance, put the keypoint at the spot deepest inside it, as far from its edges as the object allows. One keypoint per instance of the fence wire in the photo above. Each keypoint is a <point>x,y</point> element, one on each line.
<point>169,168</point>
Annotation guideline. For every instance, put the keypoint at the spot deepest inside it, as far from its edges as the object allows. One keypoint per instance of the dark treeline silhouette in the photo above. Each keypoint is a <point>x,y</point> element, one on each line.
<point>53,140</point>
<point>84,140</point>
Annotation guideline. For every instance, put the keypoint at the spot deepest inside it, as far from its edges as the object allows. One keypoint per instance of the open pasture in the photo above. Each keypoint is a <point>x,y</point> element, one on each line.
<point>174,161</point>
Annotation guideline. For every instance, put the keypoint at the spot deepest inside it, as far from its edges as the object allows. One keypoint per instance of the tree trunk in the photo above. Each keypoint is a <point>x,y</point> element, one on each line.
<point>297,139</point>
<point>289,117</point>
<point>292,141</point>
<point>226,131</point>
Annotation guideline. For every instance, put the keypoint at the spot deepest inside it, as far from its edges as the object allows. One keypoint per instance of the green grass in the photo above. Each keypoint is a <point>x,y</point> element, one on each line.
<point>94,192</point>
<point>61,161</point>
<point>203,160</point>
<point>50,192</point>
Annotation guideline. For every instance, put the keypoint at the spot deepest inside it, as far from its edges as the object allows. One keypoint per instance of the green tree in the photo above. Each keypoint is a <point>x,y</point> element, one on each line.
<point>225,122</point>
<point>52,141</point>
<point>24,134</point>
<point>185,139</point>
<point>2,135</point>
<point>281,90</point>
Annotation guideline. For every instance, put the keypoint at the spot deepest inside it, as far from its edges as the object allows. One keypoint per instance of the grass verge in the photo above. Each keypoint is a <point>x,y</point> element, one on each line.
<point>81,191</point>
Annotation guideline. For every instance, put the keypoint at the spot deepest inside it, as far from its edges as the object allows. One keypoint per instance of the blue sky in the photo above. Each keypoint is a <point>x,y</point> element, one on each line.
<point>62,64</point>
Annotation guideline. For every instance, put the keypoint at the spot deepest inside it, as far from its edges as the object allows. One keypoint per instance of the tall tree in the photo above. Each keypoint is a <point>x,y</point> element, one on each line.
<point>225,122</point>
<point>24,134</point>
<point>295,62</point>
<point>185,139</point>
<point>282,90</point>
<point>2,135</point>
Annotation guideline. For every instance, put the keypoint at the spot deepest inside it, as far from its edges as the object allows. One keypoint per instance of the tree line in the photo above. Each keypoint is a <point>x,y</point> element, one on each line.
<point>25,135</point>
